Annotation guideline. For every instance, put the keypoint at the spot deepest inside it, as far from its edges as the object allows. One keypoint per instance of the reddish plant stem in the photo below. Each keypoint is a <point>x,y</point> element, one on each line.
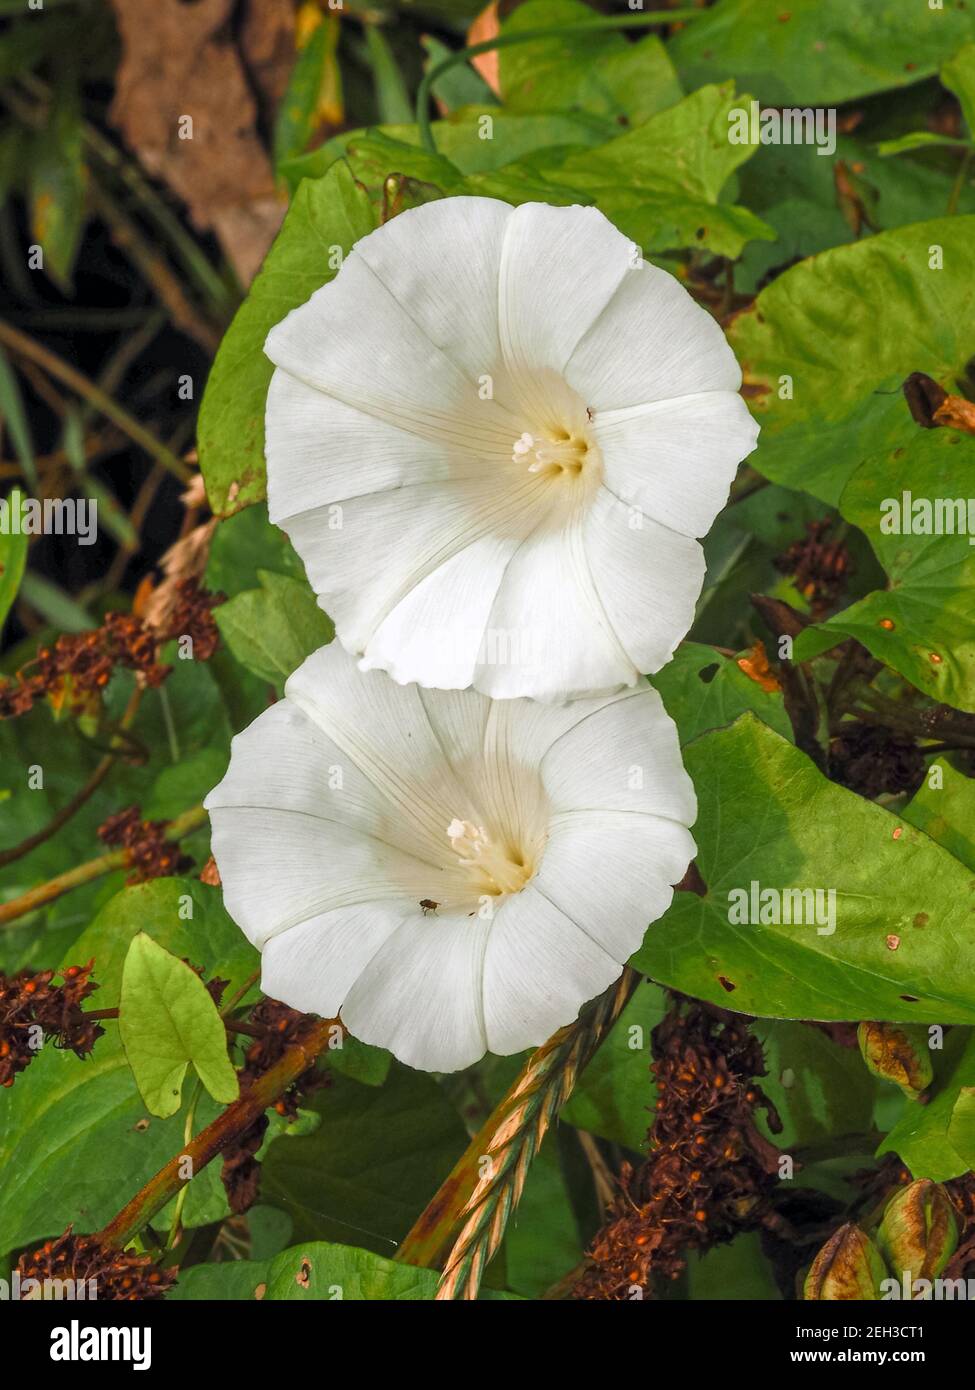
<point>252,1030</point>
<point>210,1141</point>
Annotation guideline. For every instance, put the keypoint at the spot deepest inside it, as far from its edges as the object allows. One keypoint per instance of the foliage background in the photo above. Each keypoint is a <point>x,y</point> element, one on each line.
<point>809,771</point>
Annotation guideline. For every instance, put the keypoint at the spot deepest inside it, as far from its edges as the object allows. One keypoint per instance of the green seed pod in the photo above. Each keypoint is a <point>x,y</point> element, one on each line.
<point>899,1053</point>
<point>849,1266</point>
<point>919,1232</point>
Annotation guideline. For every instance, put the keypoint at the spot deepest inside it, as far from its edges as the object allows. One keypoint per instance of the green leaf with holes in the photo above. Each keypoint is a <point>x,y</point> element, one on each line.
<point>703,689</point>
<point>167,1021</point>
<point>900,944</point>
<point>913,504</point>
<point>316,1272</point>
<point>826,347</point>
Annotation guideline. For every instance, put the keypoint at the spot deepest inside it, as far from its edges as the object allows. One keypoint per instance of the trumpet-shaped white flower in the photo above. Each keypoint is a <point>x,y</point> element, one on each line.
<point>451,873</point>
<point>493,439</point>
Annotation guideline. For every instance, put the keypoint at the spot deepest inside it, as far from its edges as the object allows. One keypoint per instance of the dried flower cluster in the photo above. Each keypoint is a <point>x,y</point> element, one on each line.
<point>149,854</point>
<point>119,1275</point>
<point>190,614</point>
<point>710,1172</point>
<point>75,671</point>
<point>820,567</point>
<point>34,1011</point>
<point>241,1172</point>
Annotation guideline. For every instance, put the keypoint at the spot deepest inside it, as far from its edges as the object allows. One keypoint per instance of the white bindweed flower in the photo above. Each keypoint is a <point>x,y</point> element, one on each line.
<point>451,873</point>
<point>493,438</point>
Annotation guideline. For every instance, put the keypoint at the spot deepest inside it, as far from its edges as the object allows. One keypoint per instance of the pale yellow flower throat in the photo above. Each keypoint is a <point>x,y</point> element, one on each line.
<point>496,869</point>
<point>561,454</point>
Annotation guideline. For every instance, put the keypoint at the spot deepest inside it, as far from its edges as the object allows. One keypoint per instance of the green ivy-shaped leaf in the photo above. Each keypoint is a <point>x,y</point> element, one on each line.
<point>317,1272</point>
<point>923,623</point>
<point>903,948</point>
<point>168,1021</point>
<point>325,218</point>
<point>820,52</point>
<point>937,1140</point>
<point>827,346</point>
<point>75,1139</point>
<point>815,202</point>
<point>601,73</point>
<point>945,810</point>
<point>703,689</point>
<point>662,183</point>
<point>272,629</point>
<point>461,140</point>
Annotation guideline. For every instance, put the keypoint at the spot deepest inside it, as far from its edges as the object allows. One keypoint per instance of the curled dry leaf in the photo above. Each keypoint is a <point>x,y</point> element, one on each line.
<point>181,61</point>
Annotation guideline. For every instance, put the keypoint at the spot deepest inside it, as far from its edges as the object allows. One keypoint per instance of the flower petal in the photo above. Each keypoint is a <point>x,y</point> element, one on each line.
<point>280,867</point>
<point>451,292</point>
<point>676,459</point>
<point>552,637</point>
<point>452,545</point>
<point>559,270</point>
<point>539,969</point>
<point>288,759</point>
<point>420,995</point>
<point>648,578</point>
<point>625,756</point>
<point>650,342</point>
<point>355,342</point>
<point>383,732</point>
<point>320,452</point>
<point>612,873</point>
<point>312,966</point>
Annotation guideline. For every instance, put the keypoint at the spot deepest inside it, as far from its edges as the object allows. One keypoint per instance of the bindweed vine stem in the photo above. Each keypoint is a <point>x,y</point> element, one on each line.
<point>237,1118</point>
<point>503,1149</point>
<point>599,24</point>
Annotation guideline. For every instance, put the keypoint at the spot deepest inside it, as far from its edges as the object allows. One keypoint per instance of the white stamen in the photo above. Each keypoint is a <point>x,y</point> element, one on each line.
<point>522,446</point>
<point>475,850</point>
